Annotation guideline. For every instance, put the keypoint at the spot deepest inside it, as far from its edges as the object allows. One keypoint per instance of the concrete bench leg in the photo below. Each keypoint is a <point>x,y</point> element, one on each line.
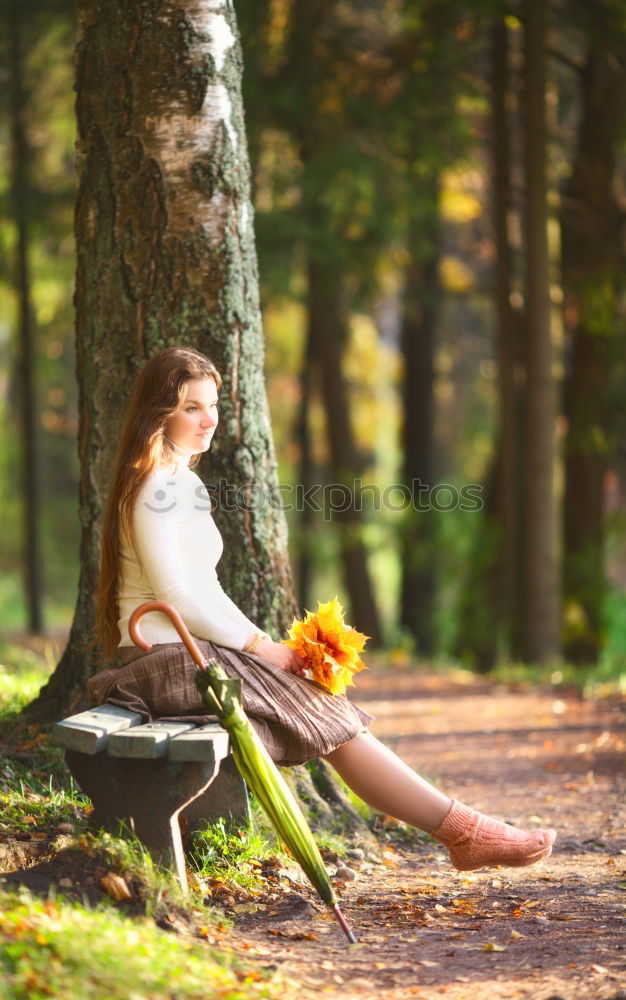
<point>147,795</point>
<point>226,798</point>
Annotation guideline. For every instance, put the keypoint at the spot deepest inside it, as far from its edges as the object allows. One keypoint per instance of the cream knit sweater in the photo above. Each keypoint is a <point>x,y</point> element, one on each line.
<point>176,548</point>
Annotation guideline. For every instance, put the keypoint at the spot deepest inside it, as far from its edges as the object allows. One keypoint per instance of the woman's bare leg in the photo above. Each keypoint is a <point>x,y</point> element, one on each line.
<point>474,840</point>
<point>385,782</point>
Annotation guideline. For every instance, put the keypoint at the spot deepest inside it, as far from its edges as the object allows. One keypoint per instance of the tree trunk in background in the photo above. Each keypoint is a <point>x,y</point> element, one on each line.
<point>592,226</point>
<point>328,328</point>
<point>539,569</point>
<point>503,591</point>
<point>422,297</point>
<point>487,612</point>
<point>305,532</point>
<point>166,255</point>
<point>27,392</point>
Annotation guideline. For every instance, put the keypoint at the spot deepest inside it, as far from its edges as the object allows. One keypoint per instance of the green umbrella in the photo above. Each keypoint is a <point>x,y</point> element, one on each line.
<point>223,696</point>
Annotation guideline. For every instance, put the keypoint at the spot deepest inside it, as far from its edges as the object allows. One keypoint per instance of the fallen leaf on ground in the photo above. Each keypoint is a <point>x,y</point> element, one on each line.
<point>115,886</point>
<point>295,935</point>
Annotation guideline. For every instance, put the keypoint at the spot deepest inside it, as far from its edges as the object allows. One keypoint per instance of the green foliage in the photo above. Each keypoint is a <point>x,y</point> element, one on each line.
<point>55,949</point>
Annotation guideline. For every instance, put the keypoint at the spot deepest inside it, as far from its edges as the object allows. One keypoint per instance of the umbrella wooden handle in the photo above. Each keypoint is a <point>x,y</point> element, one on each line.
<point>177,622</point>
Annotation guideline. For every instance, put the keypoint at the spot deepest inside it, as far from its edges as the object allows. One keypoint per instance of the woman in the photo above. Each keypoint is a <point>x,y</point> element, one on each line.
<point>160,542</point>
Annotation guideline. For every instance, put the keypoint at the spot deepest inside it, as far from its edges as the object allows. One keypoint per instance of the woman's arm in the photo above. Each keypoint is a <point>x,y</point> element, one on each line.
<point>275,652</point>
<point>159,551</point>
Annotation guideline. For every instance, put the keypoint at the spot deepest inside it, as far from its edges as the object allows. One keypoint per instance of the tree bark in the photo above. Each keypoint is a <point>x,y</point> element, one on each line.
<point>20,186</point>
<point>328,328</point>
<point>592,227</point>
<point>164,231</point>
<point>539,570</point>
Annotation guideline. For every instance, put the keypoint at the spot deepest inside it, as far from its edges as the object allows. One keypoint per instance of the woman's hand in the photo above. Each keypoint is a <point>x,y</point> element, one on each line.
<point>281,656</point>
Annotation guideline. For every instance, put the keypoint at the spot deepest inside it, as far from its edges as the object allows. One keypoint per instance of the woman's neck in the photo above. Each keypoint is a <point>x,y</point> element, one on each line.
<point>180,456</point>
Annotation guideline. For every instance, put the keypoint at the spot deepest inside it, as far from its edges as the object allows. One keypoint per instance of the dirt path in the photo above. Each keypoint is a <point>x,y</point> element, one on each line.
<point>558,929</point>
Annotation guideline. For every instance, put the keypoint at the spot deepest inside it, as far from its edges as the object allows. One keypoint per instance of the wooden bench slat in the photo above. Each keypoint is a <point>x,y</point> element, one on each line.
<point>89,732</point>
<point>149,741</point>
<point>206,743</point>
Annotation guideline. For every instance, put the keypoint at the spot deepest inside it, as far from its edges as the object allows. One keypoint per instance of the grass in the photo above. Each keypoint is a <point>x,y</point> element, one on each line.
<point>22,673</point>
<point>236,856</point>
<point>27,804</point>
<point>53,948</point>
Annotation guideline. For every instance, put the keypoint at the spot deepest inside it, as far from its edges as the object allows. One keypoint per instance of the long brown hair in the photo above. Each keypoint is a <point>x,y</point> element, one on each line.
<point>158,393</point>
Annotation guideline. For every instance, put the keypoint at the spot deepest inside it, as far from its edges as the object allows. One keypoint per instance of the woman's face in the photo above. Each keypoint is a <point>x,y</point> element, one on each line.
<point>192,426</point>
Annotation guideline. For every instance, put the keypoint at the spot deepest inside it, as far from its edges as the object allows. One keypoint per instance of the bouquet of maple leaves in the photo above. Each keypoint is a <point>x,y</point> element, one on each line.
<point>329,647</point>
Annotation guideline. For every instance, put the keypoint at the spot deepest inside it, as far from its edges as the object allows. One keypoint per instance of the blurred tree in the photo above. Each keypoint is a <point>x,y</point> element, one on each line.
<point>15,20</point>
<point>306,467</point>
<point>426,131</point>
<point>166,254</point>
<point>540,588</point>
<point>35,230</point>
<point>313,79</point>
<point>488,608</point>
<point>328,326</point>
<point>503,595</point>
<point>592,221</point>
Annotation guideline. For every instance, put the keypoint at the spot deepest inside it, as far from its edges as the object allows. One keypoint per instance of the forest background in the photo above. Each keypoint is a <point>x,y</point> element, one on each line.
<point>439,192</point>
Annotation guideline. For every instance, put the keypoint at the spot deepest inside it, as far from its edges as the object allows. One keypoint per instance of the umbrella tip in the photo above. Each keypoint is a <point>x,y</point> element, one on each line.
<point>343,923</point>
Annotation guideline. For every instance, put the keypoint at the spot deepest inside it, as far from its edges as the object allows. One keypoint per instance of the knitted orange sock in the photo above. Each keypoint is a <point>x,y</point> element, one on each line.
<point>476,841</point>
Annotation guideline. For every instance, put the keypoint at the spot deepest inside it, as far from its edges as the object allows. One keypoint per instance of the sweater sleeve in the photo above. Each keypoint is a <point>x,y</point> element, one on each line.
<point>235,613</point>
<point>157,545</point>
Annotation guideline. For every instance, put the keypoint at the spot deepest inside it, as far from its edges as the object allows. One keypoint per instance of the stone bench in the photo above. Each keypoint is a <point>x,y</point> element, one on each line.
<point>152,777</point>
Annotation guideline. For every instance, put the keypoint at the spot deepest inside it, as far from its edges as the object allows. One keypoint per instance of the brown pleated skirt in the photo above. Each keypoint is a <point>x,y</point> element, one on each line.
<point>296,718</point>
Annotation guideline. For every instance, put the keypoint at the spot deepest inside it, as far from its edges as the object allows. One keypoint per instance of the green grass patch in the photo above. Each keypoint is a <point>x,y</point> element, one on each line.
<point>234,855</point>
<point>54,949</point>
<point>22,673</point>
<point>33,804</point>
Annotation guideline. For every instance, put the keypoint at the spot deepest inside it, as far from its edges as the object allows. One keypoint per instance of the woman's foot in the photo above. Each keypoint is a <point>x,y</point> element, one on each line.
<point>476,841</point>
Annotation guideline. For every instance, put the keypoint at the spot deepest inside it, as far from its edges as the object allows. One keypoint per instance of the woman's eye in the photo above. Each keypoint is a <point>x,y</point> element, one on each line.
<point>190,409</point>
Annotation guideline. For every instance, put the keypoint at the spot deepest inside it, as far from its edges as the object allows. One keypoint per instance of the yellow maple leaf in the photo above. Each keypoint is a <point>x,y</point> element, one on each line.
<point>329,647</point>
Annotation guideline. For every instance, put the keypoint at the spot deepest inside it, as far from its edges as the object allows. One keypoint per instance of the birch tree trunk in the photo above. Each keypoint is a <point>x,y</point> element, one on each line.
<point>164,232</point>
